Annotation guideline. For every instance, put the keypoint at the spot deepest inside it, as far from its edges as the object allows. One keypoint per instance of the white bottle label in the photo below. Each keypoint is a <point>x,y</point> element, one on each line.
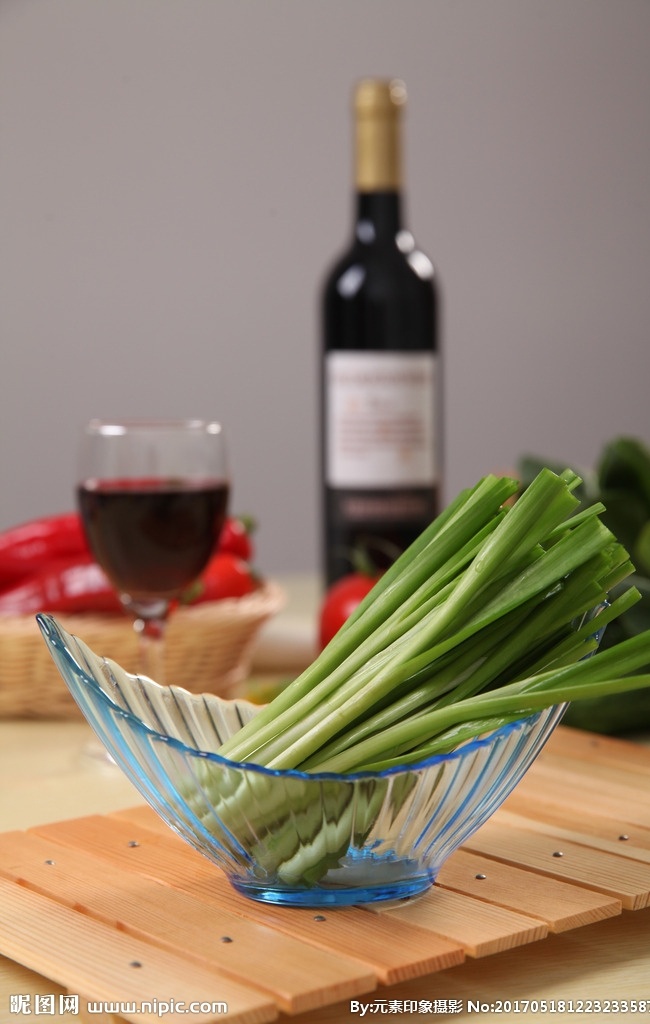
<point>380,419</point>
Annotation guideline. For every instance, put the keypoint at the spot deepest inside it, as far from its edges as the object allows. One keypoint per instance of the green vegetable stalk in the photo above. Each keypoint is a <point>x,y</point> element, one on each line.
<point>485,619</point>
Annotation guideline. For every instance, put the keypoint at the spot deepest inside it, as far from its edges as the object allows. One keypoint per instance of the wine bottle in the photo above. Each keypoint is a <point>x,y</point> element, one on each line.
<point>380,428</point>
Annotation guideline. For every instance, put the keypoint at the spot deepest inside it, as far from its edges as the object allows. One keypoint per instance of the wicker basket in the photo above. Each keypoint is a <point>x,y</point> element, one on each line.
<point>208,649</point>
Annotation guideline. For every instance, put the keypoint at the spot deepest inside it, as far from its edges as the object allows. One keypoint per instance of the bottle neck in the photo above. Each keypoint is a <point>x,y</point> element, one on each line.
<point>378,163</point>
<point>378,215</point>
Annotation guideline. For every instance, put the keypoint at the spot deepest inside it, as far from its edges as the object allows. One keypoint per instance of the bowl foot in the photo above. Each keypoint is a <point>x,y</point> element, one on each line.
<point>322,896</point>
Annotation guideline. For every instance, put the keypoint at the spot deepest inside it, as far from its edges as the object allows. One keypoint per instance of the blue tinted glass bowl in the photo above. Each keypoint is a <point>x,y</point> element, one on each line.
<point>288,837</point>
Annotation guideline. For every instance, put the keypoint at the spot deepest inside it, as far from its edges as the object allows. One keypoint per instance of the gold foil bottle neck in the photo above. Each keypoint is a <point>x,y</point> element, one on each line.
<point>378,106</point>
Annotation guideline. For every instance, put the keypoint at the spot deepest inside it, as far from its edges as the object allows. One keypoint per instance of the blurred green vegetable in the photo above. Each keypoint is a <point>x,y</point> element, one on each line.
<point>621,481</point>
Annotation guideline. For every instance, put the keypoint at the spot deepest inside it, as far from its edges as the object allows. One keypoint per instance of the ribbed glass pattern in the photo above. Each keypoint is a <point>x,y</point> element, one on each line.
<point>284,836</point>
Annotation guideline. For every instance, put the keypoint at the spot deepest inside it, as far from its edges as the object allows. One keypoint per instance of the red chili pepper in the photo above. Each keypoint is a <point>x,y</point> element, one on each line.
<point>79,586</point>
<point>46,565</point>
<point>31,547</point>
<point>226,575</point>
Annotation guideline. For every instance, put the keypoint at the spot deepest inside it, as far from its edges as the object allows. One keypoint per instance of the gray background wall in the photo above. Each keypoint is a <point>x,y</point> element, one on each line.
<point>175,177</point>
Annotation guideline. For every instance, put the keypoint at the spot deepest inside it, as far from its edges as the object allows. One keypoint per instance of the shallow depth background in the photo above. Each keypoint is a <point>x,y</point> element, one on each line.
<point>175,177</point>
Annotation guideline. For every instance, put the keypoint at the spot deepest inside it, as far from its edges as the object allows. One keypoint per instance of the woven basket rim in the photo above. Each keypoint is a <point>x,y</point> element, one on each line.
<point>268,599</point>
<point>209,649</point>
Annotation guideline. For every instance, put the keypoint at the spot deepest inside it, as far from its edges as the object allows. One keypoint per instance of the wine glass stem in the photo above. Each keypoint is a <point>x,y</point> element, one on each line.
<point>151,641</point>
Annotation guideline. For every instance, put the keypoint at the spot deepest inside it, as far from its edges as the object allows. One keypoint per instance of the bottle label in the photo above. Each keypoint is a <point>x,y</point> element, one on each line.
<point>380,419</point>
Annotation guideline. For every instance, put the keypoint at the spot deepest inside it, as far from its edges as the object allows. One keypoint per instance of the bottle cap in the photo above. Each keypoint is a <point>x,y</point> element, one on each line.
<point>377,96</point>
<point>378,105</point>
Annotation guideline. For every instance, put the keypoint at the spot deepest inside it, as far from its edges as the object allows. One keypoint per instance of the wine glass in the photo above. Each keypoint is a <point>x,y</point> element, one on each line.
<point>153,496</point>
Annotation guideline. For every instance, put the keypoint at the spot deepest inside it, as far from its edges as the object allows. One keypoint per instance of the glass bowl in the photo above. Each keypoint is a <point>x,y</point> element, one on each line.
<point>288,837</point>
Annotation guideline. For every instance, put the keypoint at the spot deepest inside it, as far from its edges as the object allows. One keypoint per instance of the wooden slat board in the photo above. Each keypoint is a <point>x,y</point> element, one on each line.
<point>83,901</point>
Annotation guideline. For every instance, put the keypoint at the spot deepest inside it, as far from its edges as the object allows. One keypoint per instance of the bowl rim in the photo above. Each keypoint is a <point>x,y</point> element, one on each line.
<point>55,635</point>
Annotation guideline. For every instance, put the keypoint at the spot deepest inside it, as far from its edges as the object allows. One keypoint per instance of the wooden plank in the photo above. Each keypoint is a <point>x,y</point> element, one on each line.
<point>626,880</point>
<point>89,958</point>
<point>299,978</point>
<point>140,880</point>
<point>561,905</point>
<point>582,775</point>
<point>597,782</point>
<point>615,830</point>
<point>143,816</point>
<point>607,961</point>
<point>18,980</point>
<point>635,845</point>
<point>396,952</point>
<point>634,778</point>
<point>166,857</point>
<point>561,790</point>
<point>588,747</point>
<point>483,928</point>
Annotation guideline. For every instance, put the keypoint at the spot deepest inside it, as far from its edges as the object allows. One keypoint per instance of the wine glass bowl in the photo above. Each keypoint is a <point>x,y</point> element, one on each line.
<point>289,837</point>
<point>153,497</point>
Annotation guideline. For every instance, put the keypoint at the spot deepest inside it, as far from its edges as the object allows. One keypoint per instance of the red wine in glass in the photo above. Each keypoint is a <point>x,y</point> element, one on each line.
<point>153,497</point>
<point>153,537</point>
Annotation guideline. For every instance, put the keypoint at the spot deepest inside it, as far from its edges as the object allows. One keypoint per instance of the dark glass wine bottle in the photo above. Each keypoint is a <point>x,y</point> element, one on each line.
<point>380,419</point>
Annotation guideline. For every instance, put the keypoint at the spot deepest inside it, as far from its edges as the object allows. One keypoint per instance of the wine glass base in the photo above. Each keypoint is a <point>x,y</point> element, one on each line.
<point>96,751</point>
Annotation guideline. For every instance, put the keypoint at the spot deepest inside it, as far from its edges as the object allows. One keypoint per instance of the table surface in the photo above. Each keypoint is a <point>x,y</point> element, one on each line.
<point>51,771</point>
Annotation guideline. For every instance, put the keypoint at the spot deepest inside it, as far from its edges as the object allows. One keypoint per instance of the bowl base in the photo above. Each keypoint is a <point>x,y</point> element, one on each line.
<point>321,896</point>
